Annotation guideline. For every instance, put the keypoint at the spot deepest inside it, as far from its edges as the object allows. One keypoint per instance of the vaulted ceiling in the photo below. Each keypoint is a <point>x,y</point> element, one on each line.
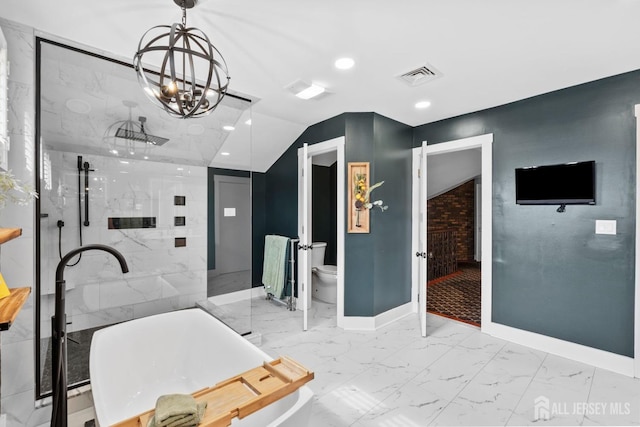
<point>488,52</point>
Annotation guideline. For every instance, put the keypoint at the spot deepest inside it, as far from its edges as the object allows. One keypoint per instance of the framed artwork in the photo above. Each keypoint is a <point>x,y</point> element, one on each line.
<point>358,183</point>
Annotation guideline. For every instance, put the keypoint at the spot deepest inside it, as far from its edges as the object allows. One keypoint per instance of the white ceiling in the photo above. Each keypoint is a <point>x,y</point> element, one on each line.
<point>490,52</point>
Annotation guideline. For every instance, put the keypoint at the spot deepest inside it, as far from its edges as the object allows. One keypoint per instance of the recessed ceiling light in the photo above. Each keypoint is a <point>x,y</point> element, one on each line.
<point>228,128</point>
<point>422,105</point>
<point>114,152</point>
<point>180,169</point>
<point>344,63</point>
<point>224,153</point>
<point>310,92</point>
<point>146,157</point>
<point>248,122</point>
<point>79,106</point>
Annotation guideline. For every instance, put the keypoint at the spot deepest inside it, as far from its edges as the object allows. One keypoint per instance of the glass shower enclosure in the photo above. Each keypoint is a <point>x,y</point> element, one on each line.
<point>148,201</point>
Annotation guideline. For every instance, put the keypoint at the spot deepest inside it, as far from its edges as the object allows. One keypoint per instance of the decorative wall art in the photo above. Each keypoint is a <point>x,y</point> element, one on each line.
<point>358,175</point>
<point>359,203</point>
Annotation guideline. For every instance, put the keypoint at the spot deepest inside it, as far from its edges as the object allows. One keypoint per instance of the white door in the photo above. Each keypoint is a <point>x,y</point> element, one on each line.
<point>422,240</point>
<point>304,231</point>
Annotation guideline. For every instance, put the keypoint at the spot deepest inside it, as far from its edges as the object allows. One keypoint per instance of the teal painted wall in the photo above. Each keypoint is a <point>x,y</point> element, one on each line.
<point>551,273</point>
<point>378,264</point>
<point>392,228</point>
<point>324,207</point>
<point>259,221</point>
<point>282,179</point>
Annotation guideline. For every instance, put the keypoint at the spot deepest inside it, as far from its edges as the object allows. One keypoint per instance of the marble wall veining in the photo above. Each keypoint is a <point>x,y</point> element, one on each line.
<point>17,256</point>
<point>161,276</point>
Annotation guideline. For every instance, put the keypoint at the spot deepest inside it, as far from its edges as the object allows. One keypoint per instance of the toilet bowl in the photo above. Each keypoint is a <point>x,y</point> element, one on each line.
<point>324,280</point>
<point>325,283</point>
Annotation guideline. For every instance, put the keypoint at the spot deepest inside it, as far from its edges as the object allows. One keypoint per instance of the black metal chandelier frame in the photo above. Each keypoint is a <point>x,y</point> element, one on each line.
<point>175,86</point>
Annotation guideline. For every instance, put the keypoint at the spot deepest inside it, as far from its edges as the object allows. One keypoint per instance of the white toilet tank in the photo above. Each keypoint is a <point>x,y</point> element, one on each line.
<point>317,254</point>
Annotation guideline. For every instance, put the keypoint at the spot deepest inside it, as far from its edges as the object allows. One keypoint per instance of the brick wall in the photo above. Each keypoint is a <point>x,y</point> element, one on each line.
<point>455,210</point>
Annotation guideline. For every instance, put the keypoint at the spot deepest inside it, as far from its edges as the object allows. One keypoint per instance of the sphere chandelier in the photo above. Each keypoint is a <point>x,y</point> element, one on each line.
<point>180,51</point>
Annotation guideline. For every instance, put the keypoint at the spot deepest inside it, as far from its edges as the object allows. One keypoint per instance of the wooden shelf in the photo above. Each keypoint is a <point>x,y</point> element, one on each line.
<point>10,306</point>
<point>7,234</point>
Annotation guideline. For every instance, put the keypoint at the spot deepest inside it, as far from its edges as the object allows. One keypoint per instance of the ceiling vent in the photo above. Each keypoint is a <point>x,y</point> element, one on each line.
<point>420,75</point>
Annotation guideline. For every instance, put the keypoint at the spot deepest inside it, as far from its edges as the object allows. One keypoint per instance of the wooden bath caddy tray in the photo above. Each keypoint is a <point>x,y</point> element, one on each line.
<point>244,394</point>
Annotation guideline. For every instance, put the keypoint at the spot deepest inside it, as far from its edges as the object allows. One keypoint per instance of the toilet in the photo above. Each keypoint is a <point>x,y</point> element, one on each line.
<point>324,281</point>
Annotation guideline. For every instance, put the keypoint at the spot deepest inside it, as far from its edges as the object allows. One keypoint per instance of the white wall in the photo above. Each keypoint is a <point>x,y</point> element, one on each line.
<point>17,262</point>
<point>448,170</point>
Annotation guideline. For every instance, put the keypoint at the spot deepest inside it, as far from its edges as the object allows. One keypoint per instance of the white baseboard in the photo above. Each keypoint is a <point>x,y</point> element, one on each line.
<point>232,297</point>
<point>581,353</point>
<point>366,323</point>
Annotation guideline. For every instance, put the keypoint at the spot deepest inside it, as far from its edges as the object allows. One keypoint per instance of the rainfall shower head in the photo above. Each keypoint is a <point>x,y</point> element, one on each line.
<point>137,133</point>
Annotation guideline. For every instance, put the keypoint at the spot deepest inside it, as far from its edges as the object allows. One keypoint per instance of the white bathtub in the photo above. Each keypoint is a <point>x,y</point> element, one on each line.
<point>133,363</point>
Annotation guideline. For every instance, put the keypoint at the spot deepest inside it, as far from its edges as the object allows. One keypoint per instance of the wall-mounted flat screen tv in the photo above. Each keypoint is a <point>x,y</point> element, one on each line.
<point>565,184</point>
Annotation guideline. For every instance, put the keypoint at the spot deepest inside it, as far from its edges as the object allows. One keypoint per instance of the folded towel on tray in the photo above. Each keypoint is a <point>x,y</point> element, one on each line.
<point>177,410</point>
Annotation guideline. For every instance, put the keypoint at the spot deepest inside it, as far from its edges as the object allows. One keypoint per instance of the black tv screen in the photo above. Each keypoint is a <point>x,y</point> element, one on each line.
<point>565,184</point>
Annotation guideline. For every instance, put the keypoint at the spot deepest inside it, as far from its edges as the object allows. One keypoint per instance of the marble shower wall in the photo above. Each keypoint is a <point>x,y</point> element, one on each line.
<point>161,277</point>
<point>17,258</point>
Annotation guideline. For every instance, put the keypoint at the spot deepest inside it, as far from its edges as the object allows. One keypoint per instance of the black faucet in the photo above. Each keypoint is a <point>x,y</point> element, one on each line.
<point>59,332</point>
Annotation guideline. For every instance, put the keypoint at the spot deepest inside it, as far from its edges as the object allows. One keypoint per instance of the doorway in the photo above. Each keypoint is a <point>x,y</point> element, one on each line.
<point>232,270</point>
<point>328,151</point>
<point>454,273</point>
<point>464,148</point>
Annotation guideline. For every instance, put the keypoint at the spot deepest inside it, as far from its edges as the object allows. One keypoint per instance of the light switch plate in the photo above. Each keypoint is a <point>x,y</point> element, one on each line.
<point>605,226</point>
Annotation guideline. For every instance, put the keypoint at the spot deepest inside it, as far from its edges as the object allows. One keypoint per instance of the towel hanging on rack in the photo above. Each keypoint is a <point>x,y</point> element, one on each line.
<point>274,268</point>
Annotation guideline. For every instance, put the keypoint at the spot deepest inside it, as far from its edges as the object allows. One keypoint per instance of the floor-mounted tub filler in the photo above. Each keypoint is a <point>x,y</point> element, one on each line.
<point>133,363</point>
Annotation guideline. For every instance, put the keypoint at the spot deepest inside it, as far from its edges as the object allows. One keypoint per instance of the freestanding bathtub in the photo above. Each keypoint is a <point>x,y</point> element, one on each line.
<point>133,363</point>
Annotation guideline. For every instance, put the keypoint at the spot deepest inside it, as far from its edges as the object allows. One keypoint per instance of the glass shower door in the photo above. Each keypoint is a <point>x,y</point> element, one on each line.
<point>230,243</point>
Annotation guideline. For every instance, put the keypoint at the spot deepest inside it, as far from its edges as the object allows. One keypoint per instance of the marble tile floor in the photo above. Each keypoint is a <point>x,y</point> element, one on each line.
<point>220,284</point>
<point>456,376</point>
